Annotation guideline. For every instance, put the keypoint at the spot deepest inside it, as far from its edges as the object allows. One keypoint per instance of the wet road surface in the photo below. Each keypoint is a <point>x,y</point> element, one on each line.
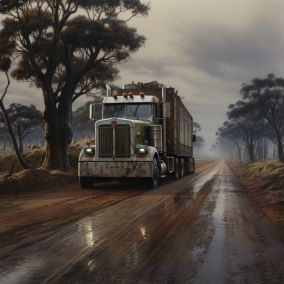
<point>200,229</point>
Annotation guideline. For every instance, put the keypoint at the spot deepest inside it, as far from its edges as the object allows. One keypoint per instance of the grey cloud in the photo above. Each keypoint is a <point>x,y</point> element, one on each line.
<point>155,67</point>
<point>226,53</point>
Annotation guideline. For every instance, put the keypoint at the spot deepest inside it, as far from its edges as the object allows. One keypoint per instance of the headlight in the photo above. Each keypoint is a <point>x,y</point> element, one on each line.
<point>141,150</point>
<point>89,150</point>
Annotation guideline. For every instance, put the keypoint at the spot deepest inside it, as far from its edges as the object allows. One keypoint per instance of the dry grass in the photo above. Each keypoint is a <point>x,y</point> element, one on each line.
<point>264,180</point>
<point>36,178</point>
<point>35,157</point>
<point>268,172</point>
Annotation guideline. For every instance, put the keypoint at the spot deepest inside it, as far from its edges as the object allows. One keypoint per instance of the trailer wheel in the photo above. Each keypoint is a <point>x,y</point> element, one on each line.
<point>176,172</point>
<point>154,180</point>
<point>187,166</point>
<point>192,165</point>
<point>181,168</point>
<point>86,182</point>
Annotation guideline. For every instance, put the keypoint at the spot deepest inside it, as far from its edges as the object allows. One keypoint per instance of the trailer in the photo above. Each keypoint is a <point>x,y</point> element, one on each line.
<point>145,132</point>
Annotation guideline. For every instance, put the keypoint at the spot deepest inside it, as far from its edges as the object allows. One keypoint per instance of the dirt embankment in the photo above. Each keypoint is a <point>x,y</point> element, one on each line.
<point>264,182</point>
<point>35,157</point>
<point>13,179</point>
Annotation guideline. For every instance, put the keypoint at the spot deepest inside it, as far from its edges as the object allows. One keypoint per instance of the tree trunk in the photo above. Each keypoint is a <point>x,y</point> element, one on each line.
<point>65,116</point>
<point>53,155</point>
<point>58,135</point>
<point>21,147</point>
<point>251,153</point>
<point>280,147</point>
<point>239,150</point>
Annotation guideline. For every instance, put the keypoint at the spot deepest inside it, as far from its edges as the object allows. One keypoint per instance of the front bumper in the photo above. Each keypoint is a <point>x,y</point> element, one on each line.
<point>115,169</point>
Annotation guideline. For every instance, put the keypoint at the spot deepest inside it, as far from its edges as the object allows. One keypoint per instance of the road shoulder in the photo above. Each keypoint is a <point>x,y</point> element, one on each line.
<point>264,186</point>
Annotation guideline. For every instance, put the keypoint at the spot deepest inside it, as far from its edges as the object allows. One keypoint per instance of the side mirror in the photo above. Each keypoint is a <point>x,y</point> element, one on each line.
<point>193,138</point>
<point>92,111</point>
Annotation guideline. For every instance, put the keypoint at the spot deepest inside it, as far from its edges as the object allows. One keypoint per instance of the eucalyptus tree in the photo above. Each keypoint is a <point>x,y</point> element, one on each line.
<point>6,50</point>
<point>244,128</point>
<point>229,138</point>
<point>244,114</point>
<point>268,95</point>
<point>24,120</point>
<point>66,48</point>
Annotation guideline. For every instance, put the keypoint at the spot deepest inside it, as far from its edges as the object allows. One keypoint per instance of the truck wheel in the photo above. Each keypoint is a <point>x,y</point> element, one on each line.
<point>192,165</point>
<point>187,166</point>
<point>154,180</point>
<point>181,168</point>
<point>86,182</point>
<point>176,172</point>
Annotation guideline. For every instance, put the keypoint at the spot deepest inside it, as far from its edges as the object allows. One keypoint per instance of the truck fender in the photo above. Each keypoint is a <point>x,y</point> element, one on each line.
<point>152,152</point>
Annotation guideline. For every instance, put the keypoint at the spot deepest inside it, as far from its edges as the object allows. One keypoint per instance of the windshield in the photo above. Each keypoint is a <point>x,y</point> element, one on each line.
<point>114,110</point>
<point>139,110</point>
<point>128,110</point>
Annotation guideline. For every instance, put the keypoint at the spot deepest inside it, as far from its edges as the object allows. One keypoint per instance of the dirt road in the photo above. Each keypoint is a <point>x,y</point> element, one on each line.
<point>200,229</point>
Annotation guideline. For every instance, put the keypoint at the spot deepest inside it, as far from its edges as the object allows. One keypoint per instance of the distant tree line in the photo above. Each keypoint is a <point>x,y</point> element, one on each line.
<point>254,129</point>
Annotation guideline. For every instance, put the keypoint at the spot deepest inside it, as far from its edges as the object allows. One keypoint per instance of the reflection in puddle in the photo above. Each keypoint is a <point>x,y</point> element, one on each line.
<point>86,228</point>
<point>190,192</point>
<point>91,265</point>
<point>215,265</point>
<point>197,185</point>
<point>143,232</point>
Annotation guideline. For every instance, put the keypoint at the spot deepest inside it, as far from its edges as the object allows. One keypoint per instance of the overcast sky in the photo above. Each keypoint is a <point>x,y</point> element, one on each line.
<point>205,49</point>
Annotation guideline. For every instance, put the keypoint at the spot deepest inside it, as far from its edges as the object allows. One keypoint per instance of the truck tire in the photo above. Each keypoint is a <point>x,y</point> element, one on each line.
<point>154,180</point>
<point>181,168</point>
<point>176,172</point>
<point>86,182</point>
<point>187,166</point>
<point>192,165</point>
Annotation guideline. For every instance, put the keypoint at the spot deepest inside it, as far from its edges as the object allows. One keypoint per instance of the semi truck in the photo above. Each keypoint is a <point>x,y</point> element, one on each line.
<point>145,132</point>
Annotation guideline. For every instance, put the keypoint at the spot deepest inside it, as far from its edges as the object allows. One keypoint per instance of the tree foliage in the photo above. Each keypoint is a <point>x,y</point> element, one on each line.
<point>259,116</point>
<point>6,51</point>
<point>268,96</point>
<point>67,48</point>
<point>56,41</point>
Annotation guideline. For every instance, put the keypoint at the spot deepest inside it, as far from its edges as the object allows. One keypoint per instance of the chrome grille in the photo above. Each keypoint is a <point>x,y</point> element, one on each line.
<point>105,141</point>
<point>122,141</point>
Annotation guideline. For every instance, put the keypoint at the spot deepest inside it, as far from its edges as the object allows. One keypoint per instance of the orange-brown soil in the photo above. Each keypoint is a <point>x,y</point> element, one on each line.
<point>264,182</point>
